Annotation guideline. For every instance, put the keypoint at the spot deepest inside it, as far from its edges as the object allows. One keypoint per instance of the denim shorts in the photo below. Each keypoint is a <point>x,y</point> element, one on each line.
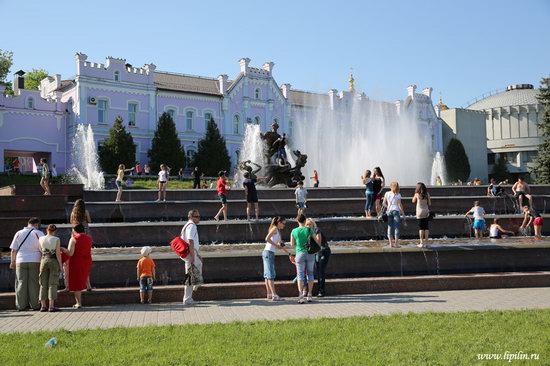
<point>118,184</point>
<point>269,264</point>
<point>145,284</point>
<point>301,205</point>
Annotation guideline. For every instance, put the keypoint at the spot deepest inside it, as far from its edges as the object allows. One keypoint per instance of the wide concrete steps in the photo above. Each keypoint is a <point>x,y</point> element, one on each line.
<point>241,231</point>
<point>317,207</point>
<point>249,290</point>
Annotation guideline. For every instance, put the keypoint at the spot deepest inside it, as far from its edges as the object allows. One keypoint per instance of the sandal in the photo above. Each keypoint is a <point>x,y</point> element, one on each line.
<point>77,306</point>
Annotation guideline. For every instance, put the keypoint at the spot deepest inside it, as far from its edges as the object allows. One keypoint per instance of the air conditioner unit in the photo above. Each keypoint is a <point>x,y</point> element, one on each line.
<point>92,100</point>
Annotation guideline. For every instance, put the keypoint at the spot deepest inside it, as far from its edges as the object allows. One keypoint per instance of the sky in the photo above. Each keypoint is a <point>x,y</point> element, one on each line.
<point>462,49</point>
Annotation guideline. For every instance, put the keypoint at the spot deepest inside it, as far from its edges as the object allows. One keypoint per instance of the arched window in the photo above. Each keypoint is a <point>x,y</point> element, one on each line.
<point>172,113</point>
<point>236,122</point>
<point>257,93</point>
<point>117,76</point>
<point>30,103</point>
<point>257,120</point>
<point>207,117</point>
<point>190,156</point>
<point>189,120</point>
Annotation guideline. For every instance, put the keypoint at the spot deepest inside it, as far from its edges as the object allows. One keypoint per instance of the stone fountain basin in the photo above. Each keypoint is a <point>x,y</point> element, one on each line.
<point>229,263</point>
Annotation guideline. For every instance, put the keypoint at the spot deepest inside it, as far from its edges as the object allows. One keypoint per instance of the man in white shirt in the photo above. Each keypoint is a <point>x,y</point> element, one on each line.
<point>25,259</point>
<point>191,235</point>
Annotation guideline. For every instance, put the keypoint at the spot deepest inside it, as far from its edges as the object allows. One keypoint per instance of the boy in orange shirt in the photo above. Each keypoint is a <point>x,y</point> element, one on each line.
<point>146,275</point>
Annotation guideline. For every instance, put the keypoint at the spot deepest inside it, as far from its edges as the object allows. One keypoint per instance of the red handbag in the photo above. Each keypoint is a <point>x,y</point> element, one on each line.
<point>180,246</point>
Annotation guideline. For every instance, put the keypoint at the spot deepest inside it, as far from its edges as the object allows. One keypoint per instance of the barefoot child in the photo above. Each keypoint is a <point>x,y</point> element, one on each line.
<point>301,198</point>
<point>146,275</point>
<point>162,182</point>
<point>532,217</point>
<point>479,219</point>
<point>496,231</point>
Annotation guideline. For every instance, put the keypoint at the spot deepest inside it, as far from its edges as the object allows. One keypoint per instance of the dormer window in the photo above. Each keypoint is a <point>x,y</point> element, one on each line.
<point>30,103</point>
<point>117,76</point>
<point>257,93</point>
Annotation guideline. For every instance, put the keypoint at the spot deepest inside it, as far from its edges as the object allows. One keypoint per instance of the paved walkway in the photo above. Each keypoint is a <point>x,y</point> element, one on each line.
<point>136,315</point>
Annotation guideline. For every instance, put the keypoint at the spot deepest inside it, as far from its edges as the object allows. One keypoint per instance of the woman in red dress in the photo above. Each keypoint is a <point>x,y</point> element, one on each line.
<point>80,251</point>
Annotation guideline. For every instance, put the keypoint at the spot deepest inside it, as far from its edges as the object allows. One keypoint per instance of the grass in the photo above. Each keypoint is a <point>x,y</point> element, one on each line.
<point>409,339</point>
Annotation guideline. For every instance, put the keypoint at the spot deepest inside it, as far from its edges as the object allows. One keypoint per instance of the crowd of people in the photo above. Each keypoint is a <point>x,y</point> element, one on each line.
<point>38,261</point>
<point>39,258</point>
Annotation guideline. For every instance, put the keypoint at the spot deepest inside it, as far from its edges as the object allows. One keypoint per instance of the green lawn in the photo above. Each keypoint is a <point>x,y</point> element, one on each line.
<point>411,339</point>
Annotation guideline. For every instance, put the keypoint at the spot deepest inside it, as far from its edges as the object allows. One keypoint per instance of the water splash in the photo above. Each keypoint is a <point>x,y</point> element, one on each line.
<point>85,168</point>
<point>253,150</point>
<point>341,144</point>
<point>438,170</point>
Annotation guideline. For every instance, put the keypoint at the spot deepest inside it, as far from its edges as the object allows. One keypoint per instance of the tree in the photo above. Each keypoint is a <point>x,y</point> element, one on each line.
<point>34,77</point>
<point>166,146</point>
<point>541,167</point>
<point>118,148</point>
<point>6,61</point>
<point>500,169</point>
<point>212,155</point>
<point>456,161</point>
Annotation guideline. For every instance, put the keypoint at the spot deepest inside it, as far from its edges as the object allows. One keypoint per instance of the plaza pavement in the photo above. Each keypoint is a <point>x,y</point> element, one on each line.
<point>136,315</point>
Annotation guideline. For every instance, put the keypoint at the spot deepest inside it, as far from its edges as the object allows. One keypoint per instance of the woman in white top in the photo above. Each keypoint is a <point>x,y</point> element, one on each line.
<point>273,242</point>
<point>50,266</point>
<point>394,210</point>
<point>163,182</point>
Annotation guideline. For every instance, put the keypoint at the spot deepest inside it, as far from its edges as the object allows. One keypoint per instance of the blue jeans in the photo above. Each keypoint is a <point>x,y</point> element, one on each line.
<point>394,221</point>
<point>269,264</point>
<point>305,262</point>
<point>370,200</point>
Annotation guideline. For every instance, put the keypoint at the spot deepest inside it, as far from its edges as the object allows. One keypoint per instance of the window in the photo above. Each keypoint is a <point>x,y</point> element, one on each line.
<point>249,120</point>
<point>207,117</point>
<point>236,124</point>
<point>491,158</point>
<point>102,111</point>
<point>289,128</point>
<point>190,156</point>
<point>189,120</point>
<point>30,103</point>
<point>276,120</point>
<point>172,114</point>
<point>237,153</point>
<point>132,111</point>
<point>117,76</point>
<point>257,94</point>
<point>257,120</point>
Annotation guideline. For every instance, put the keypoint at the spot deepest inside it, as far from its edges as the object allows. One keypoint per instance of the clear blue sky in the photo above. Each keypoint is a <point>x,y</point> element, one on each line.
<point>460,48</point>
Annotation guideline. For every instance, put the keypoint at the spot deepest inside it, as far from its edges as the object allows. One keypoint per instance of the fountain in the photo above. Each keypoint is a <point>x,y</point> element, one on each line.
<point>343,143</point>
<point>438,170</point>
<point>270,157</point>
<point>85,168</point>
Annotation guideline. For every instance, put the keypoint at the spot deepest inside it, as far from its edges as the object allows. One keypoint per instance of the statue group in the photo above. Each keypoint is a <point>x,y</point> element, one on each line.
<point>276,169</point>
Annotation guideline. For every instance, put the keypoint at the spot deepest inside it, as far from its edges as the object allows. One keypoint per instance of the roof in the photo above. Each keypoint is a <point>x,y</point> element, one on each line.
<point>307,99</point>
<point>65,84</point>
<point>186,83</point>
<point>507,98</point>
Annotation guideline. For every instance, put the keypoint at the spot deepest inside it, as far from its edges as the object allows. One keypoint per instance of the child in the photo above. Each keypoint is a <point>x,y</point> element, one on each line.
<point>162,182</point>
<point>496,231</point>
<point>222,187</point>
<point>479,219</point>
<point>532,217</point>
<point>369,192</point>
<point>146,275</point>
<point>301,198</point>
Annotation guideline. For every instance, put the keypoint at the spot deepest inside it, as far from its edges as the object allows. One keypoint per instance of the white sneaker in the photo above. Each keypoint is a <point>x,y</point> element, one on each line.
<point>301,300</point>
<point>309,298</point>
<point>189,302</point>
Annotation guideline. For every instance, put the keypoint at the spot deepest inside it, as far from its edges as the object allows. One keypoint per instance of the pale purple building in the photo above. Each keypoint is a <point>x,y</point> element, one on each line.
<point>41,123</point>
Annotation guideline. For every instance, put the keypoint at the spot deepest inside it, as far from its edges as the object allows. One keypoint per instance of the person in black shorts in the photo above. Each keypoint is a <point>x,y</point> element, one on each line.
<point>251,196</point>
<point>197,175</point>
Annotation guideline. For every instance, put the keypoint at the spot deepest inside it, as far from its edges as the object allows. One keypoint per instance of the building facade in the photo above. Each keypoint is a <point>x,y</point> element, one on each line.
<point>511,122</point>
<point>42,123</point>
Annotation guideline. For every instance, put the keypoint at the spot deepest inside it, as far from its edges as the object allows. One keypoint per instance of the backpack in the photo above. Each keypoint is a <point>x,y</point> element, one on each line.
<point>180,246</point>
